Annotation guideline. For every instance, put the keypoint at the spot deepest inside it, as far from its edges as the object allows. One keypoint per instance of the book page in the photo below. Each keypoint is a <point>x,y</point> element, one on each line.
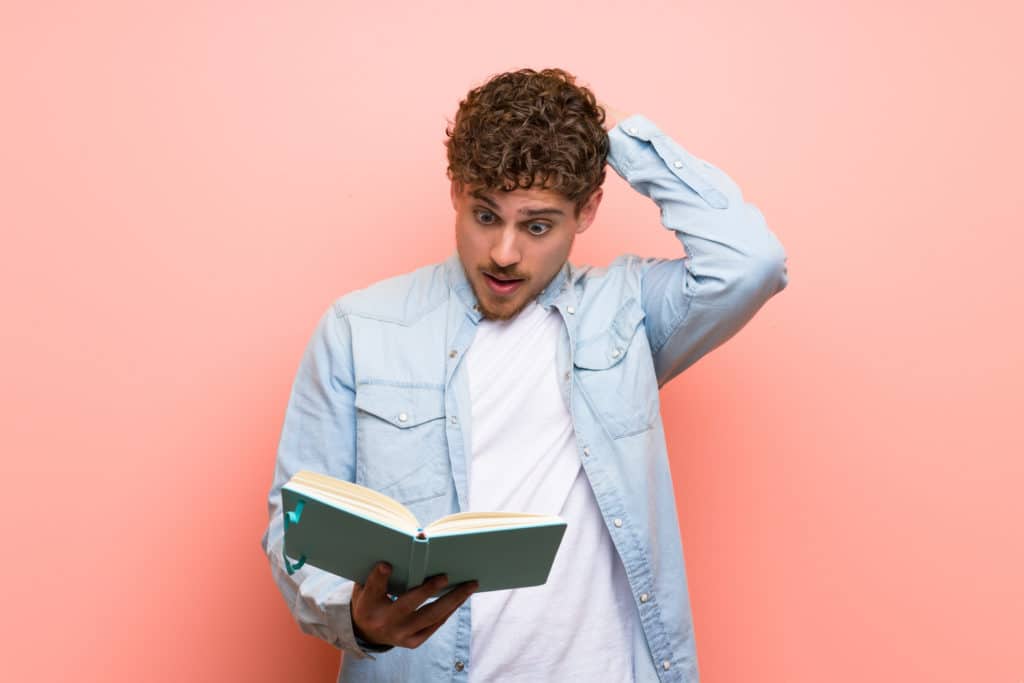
<point>481,521</point>
<point>356,498</point>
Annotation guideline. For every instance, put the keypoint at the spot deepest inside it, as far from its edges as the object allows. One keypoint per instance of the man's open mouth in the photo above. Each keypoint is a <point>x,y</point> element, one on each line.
<point>504,280</point>
<point>501,287</point>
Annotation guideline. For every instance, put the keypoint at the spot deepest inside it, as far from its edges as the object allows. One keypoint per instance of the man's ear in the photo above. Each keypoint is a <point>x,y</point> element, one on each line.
<point>589,210</point>
<point>456,190</point>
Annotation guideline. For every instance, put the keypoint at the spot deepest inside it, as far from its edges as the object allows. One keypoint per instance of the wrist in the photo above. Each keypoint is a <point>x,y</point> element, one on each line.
<point>613,117</point>
<point>365,643</point>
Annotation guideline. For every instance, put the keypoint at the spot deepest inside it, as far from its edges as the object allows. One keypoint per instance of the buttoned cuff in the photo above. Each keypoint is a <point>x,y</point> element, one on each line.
<point>627,138</point>
<point>631,143</point>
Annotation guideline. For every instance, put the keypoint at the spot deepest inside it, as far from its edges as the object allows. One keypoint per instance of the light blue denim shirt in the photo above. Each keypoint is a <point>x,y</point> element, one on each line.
<point>397,348</point>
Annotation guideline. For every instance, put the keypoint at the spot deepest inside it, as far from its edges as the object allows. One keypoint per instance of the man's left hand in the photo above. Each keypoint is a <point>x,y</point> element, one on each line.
<point>612,115</point>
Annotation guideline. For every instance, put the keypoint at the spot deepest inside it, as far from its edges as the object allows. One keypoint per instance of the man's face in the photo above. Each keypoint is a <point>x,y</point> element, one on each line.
<point>512,244</point>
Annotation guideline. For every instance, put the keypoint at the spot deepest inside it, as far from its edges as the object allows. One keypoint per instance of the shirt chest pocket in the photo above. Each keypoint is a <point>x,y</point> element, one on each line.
<point>401,445</point>
<point>615,370</point>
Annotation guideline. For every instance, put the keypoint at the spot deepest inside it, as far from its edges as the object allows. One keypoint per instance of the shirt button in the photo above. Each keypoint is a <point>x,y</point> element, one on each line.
<point>633,131</point>
<point>567,375</point>
<point>586,452</point>
<point>677,164</point>
<point>616,353</point>
<point>644,597</point>
<point>454,420</point>
<point>666,665</point>
<point>476,307</point>
<point>618,523</point>
<point>571,310</point>
<point>453,353</point>
<point>402,417</point>
<point>459,666</point>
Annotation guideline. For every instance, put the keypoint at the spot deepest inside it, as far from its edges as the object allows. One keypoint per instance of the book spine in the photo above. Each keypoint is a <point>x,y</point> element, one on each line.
<point>417,561</point>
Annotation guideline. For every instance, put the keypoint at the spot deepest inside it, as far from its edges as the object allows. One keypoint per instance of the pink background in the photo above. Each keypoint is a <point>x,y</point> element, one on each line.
<point>185,187</point>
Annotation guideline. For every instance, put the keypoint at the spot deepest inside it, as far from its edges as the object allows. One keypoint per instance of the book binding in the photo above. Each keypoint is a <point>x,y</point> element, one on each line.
<point>418,554</point>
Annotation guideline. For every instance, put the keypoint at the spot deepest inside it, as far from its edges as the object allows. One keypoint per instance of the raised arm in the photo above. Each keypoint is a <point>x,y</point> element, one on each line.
<point>733,262</point>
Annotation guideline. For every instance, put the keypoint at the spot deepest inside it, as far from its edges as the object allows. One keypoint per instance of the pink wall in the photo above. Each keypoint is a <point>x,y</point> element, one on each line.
<point>184,187</point>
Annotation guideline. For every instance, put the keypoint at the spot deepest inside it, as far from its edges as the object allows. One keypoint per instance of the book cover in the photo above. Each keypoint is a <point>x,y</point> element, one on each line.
<point>348,538</point>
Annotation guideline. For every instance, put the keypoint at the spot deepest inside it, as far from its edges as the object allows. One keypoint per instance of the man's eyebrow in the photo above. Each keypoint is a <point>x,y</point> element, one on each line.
<point>540,212</point>
<point>526,212</point>
<point>484,198</point>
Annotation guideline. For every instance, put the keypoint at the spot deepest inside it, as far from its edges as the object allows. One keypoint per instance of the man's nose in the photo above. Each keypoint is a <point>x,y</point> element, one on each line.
<point>505,251</point>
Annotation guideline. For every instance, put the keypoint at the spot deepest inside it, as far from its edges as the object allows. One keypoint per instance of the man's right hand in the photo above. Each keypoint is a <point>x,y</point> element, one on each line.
<point>379,621</point>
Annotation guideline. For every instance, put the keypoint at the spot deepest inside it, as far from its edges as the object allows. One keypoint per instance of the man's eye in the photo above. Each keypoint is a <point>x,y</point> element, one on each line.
<point>543,228</point>
<point>484,217</point>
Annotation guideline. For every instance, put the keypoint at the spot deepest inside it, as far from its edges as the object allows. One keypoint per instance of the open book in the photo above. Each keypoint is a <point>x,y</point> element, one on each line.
<point>345,528</point>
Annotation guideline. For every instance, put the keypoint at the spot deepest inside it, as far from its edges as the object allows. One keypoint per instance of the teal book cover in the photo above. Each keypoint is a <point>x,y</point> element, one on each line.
<point>348,537</point>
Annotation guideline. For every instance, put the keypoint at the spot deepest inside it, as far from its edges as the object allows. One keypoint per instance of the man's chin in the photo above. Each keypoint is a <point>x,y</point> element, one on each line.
<point>494,308</point>
<point>506,310</point>
<point>503,313</point>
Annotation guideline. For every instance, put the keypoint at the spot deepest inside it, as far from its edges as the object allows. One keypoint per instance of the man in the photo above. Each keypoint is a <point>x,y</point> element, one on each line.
<point>506,378</point>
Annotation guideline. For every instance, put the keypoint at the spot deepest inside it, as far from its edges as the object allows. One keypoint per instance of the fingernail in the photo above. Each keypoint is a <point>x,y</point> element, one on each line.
<point>385,569</point>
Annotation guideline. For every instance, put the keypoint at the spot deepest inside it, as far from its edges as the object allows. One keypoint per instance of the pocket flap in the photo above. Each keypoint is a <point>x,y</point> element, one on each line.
<point>609,347</point>
<point>401,406</point>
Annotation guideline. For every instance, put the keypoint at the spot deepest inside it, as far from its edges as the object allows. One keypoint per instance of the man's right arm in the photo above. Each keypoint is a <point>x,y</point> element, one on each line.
<point>319,435</point>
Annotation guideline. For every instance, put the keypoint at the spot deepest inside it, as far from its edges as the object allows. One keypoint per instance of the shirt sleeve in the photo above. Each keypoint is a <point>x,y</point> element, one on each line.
<point>733,262</point>
<point>319,435</point>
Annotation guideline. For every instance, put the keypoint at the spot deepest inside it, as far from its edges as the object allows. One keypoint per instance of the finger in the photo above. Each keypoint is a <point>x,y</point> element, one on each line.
<point>417,639</point>
<point>377,584</point>
<point>411,599</point>
<point>357,590</point>
<point>438,611</point>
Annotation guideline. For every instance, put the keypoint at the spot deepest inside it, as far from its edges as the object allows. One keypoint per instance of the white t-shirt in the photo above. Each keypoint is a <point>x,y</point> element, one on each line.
<point>579,625</point>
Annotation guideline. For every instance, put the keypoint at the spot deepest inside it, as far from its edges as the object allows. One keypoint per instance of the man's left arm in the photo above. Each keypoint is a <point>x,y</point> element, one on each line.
<point>733,262</point>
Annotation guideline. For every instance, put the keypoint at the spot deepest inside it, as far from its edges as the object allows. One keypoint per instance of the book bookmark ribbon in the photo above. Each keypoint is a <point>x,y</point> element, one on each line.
<point>292,517</point>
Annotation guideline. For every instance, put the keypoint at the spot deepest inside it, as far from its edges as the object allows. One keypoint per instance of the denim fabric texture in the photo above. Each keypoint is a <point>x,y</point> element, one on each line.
<point>396,348</point>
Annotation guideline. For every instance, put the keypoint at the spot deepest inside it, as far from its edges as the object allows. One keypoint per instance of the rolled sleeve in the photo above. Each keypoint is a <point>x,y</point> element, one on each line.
<point>733,262</point>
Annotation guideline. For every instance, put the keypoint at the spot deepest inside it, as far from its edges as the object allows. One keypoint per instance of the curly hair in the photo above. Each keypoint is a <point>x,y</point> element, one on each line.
<point>525,127</point>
